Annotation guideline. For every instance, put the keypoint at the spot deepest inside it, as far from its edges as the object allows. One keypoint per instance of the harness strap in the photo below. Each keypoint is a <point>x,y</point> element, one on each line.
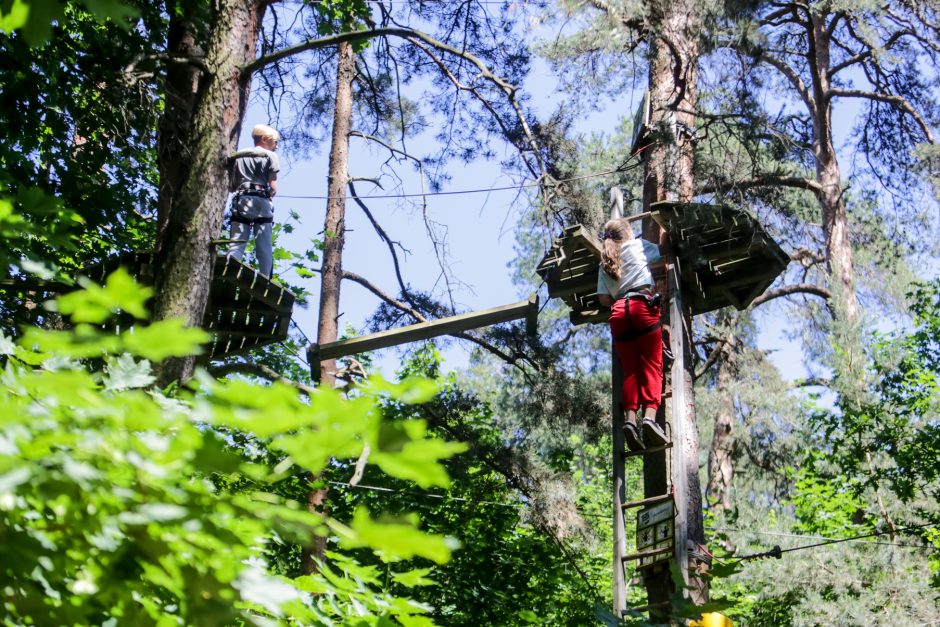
<point>632,335</point>
<point>261,191</point>
<point>250,221</point>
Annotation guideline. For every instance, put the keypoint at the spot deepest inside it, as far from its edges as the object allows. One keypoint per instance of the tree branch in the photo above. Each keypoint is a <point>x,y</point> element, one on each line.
<point>382,235</point>
<point>419,317</point>
<point>791,75</point>
<point>789,290</point>
<point>414,37</point>
<point>901,103</point>
<point>764,180</point>
<point>259,370</point>
<point>866,54</point>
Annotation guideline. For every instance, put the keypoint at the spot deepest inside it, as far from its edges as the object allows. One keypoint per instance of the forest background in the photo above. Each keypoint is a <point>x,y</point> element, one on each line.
<point>139,487</point>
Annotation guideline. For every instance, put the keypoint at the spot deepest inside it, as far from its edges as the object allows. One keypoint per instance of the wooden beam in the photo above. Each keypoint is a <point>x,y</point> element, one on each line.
<point>426,330</point>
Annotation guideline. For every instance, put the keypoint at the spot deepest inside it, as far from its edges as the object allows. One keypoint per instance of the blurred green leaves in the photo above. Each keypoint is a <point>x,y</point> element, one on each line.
<point>95,303</point>
<point>109,499</point>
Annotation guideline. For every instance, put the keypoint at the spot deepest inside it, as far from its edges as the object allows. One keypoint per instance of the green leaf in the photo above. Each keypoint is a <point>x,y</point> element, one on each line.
<point>124,373</point>
<point>394,538</point>
<point>413,390</point>
<point>167,338</point>
<point>95,303</point>
<point>83,342</point>
<point>412,578</point>
<point>115,10</point>
<point>404,453</point>
<point>13,15</point>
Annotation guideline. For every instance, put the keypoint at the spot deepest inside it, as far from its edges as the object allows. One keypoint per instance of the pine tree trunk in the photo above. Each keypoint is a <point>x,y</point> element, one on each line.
<point>335,225</point>
<point>669,176</point>
<point>720,461</point>
<point>828,175</point>
<point>199,130</point>
<point>331,275</point>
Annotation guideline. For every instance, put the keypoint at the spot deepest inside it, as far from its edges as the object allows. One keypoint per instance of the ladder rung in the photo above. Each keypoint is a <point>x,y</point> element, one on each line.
<point>653,553</point>
<point>653,500</point>
<point>655,449</point>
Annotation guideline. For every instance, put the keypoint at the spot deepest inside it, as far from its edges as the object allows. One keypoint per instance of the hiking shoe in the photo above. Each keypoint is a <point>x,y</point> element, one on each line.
<point>653,434</point>
<point>632,435</point>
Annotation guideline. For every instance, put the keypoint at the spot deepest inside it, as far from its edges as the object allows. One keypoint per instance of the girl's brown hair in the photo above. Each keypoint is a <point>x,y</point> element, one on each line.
<point>616,232</point>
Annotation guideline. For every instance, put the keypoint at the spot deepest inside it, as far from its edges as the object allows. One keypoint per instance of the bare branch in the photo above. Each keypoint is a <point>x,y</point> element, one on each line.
<point>789,290</point>
<point>394,302</point>
<point>360,464</point>
<point>765,180</point>
<point>259,370</point>
<point>901,103</point>
<point>711,361</point>
<point>382,235</point>
<point>781,66</point>
<point>195,61</point>
<point>867,54</point>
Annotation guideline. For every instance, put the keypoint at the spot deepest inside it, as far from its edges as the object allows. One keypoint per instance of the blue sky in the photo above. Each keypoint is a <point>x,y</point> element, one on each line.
<point>479,227</point>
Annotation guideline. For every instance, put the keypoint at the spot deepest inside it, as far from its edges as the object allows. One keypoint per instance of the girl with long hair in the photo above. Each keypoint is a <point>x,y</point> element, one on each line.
<point>624,283</point>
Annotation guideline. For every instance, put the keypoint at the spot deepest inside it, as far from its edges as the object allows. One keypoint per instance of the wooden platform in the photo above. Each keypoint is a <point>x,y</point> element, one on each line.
<point>723,254</point>
<point>570,271</point>
<point>246,310</point>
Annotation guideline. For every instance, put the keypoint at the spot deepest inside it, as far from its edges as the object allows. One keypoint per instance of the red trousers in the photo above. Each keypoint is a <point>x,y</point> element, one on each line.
<point>640,357</point>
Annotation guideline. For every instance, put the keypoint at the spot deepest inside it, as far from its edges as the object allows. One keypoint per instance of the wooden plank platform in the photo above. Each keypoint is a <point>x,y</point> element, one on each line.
<point>246,310</point>
<point>570,270</point>
<point>725,256</point>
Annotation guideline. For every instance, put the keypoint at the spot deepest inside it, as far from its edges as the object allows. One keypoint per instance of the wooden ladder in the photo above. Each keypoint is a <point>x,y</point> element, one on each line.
<point>661,527</point>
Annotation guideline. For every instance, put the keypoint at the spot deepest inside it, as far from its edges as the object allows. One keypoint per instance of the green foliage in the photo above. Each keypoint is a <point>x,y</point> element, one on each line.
<point>828,508</point>
<point>34,18</point>
<point>107,511</point>
<point>342,15</point>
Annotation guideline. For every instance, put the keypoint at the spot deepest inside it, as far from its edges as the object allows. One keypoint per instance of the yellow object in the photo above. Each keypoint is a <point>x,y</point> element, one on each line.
<point>712,619</point>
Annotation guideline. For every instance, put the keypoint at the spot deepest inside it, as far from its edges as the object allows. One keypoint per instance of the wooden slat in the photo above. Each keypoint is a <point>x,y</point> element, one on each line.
<point>653,553</point>
<point>653,500</point>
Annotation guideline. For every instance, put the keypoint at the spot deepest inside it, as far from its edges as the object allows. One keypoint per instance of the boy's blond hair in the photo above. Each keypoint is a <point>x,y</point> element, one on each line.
<point>263,131</point>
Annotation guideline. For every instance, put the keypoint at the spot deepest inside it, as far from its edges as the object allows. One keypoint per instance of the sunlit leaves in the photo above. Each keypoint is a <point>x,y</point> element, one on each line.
<point>167,338</point>
<point>393,538</point>
<point>96,303</point>
<point>105,490</point>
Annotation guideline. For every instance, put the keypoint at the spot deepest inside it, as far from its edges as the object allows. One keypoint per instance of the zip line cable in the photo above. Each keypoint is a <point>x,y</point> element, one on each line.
<point>777,552</point>
<point>810,537</point>
<point>771,553</point>
<point>621,168</point>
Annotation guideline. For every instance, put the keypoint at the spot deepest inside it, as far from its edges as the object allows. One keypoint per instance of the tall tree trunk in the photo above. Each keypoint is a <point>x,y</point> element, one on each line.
<point>335,225</point>
<point>204,108</point>
<point>669,175</point>
<point>720,461</point>
<point>331,274</point>
<point>828,175</point>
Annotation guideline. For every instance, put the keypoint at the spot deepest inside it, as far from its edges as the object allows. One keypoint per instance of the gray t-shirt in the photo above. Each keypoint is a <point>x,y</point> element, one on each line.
<point>253,166</point>
<point>635,257</point>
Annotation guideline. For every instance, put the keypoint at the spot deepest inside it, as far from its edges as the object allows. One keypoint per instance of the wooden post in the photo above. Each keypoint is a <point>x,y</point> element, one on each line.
<point>679,452</point>
<point>619,483</point>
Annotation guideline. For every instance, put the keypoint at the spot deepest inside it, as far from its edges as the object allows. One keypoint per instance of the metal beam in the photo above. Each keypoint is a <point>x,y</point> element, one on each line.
<point>527,309</point>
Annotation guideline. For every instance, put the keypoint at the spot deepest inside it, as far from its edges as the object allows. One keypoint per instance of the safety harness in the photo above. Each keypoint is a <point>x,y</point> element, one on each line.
<point>250,189</point>
<point>652,300</point>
